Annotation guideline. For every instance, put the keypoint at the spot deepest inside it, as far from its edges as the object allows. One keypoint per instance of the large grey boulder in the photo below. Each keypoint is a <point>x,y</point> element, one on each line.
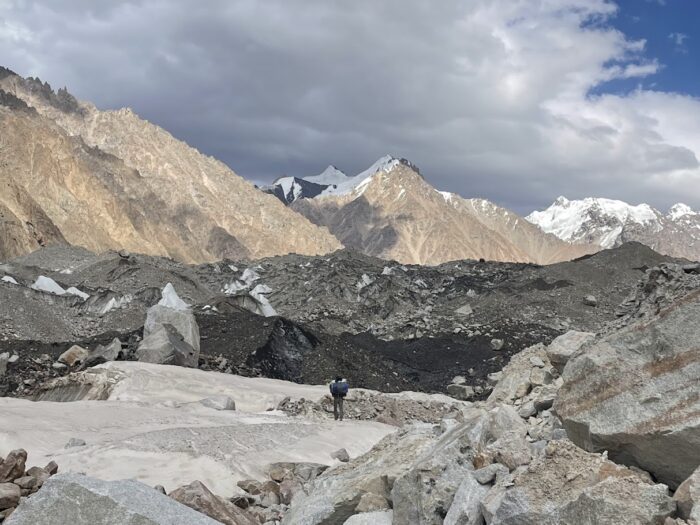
<point>383,517</point>
<point>182,320</point>
<point>465,508</point>
<point>164,345</point>
<point>687,497</point>
<point>81,500</point>
<point>9,495</point>
<point>198,497</point>
<point>635,394</point>
<point>563,347</point>
<point>13,465</point>
<point>570,486</point>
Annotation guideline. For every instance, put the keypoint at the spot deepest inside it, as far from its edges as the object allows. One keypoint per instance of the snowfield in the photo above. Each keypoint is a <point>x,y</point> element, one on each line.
<point>153,429</point>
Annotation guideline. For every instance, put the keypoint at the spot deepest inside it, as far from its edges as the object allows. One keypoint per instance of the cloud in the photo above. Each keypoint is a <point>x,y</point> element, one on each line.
<point>490,98</point>
<point>679,40</point>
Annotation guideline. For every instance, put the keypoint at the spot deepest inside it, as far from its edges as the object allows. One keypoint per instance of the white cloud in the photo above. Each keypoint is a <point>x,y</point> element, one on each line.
<point>489,97</point>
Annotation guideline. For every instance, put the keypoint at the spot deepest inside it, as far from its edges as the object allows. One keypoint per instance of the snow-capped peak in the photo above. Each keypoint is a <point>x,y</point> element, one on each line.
<point>330,176</point>
<point>362,179</point>
<point>680,210</point>
<point>592,219</point>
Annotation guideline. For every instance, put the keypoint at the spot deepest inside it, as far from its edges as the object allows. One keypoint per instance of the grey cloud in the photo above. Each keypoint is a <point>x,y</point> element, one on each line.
<point>484,96</point>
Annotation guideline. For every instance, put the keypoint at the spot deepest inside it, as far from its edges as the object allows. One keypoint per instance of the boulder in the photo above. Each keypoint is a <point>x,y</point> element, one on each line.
<point>13,466</point>
<point>112,352</point>
<point>514,382</point>
<point>463,392</point>
<point>465,508</point>
<point>568,485</point>
<point>26,482</point>
<point>4,359</point>
<point>341,455</point>
<point>590,300</point>
<point>563,347</point>
<point>250,486</point>
<point>51,468</point>
<point>635,393</point>
<point>497,344</point>
<point>385,517</point>
<point>75,442</point>
<point>9,495</point>
<point>74,356</point>
<point>198,497</point>
<point>182,320</point>
<point>39,474</point>
<point>280,471</point>
<point>687,497</point>
<point>288,489</point>
<point>372,503</point>
<point>165,345</point>
<point>219,403</point>
<point>81,500</point>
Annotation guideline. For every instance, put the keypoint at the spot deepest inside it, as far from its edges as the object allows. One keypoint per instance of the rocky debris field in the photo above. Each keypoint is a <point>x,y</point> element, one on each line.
<point>18,482</point>
<point>384,326</point>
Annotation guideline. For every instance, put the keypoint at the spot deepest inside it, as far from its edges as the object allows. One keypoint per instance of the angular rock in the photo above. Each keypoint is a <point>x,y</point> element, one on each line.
<point>39,474</point>
<point>687,497</point>
<point>463,392</point>
<point>4,359</point>
<point>13,466</point>
<point>51,468</point>
<point>81,500</point>
<point>281,471</point>
<point>219,403</point>
<point>497,344</point>
<point>165,345</point>
<point>563,347</point>
<point>515,379</point>
<point>112,352</point>
<point>341,455</point>
<point>385,517</point>
<point>635,394</point>
<point>570,486</point>
<point>590,300</point>
<point>288,489</point>
<point>26,482</point>
<point>489,473</point>
<point>250,486</point>
<point>527,410</point>
<point>182,320</point>
<point>74,356</point>
<point>75,442</point>
<point>9,495</point>
<point>372,503</point>
<point>198,497</point>
<point>465,508</point>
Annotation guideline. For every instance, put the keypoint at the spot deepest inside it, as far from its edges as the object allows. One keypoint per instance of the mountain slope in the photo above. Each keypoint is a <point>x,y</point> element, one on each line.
<point>394,213</point>
<point>610,223</point>
<point>198,208</point>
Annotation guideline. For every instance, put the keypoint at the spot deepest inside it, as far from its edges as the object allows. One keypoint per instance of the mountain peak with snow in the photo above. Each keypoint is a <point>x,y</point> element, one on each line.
<point>680,210</point>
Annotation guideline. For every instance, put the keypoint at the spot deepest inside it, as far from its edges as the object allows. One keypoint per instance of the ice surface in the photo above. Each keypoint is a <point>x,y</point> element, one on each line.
<point>170,299</point>
<point>153,429</point>
<point>47,284</point>
<point>8,279</point>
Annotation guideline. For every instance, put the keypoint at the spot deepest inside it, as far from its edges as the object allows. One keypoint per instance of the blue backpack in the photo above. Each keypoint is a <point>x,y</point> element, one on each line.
<point>339,388</point>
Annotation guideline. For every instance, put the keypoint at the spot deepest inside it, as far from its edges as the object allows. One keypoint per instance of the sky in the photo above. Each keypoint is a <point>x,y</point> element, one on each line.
<point>517,101</point>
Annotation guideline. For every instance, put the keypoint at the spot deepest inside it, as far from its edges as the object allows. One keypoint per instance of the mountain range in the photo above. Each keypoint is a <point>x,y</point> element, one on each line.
<point>103,180</point>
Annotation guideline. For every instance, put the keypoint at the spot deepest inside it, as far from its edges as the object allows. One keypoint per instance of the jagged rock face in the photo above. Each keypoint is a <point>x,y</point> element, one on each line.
<point>396,214</point>
<point>610,223</point>
<point>635,393</point>
<point>112,180</point>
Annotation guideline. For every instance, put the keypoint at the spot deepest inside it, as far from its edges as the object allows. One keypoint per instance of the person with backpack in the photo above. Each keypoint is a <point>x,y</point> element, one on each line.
<point>339,389</point>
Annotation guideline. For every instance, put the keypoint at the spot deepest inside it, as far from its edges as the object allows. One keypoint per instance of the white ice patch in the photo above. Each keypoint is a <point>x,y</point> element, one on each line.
<point>249,275</point>
<point>115,303</point>
<point>257,293</point>
<point>387,271</point>
<point>233,268</point>
<point>235,287</point>
<point>8,279</point>
<point>679,211</point>
<point>364,281</point>
<point>74,291</point>
<point>170,299</point>
<point>47,284</point>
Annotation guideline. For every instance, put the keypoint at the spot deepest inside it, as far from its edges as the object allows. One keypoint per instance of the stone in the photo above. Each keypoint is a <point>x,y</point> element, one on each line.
<point>497,344</point>
<point>490,472</point>
<point>81,500</point>
<point>309,471</point>
<point>165,345</point>
<point>160,488</point>
<point>687,497</point>
<point>219,403</point>
<point>465,310</point>
<point>527,410</point>
<point>182,320</point>
<point>341,455</point>
<point>74,356</point>
<point>75,442</point>
<point>372,503</point>
<point>540,376</point>
<point>13,466</point>
<point>198,497</point>
<point>462,392</point>
<point>250,486</point>
<point>494,377</point>
<point>536,361</point>
<point>563,347</point>
<point>465,508</point>
<point>51,468</point>
<point>26,482</point>
<point>635,394</point>
<point>515,379</point>
<point>569,485</point>
<point>590,300</point>
<point>112,352</point>
<point>59,366</point>
<point>459,380</point>
<point>281,471</point>
<point>288,489</point>
<point>9,495</point>
<point>39,474</point>
<point>385,517</point>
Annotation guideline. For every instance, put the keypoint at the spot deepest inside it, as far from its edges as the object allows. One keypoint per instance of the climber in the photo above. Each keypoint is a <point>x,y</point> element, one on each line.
<point>339,389</point>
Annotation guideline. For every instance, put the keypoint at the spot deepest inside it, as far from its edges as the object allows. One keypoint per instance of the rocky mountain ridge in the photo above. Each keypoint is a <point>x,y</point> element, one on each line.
<point>610,223</point>
<point>124,183</point>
